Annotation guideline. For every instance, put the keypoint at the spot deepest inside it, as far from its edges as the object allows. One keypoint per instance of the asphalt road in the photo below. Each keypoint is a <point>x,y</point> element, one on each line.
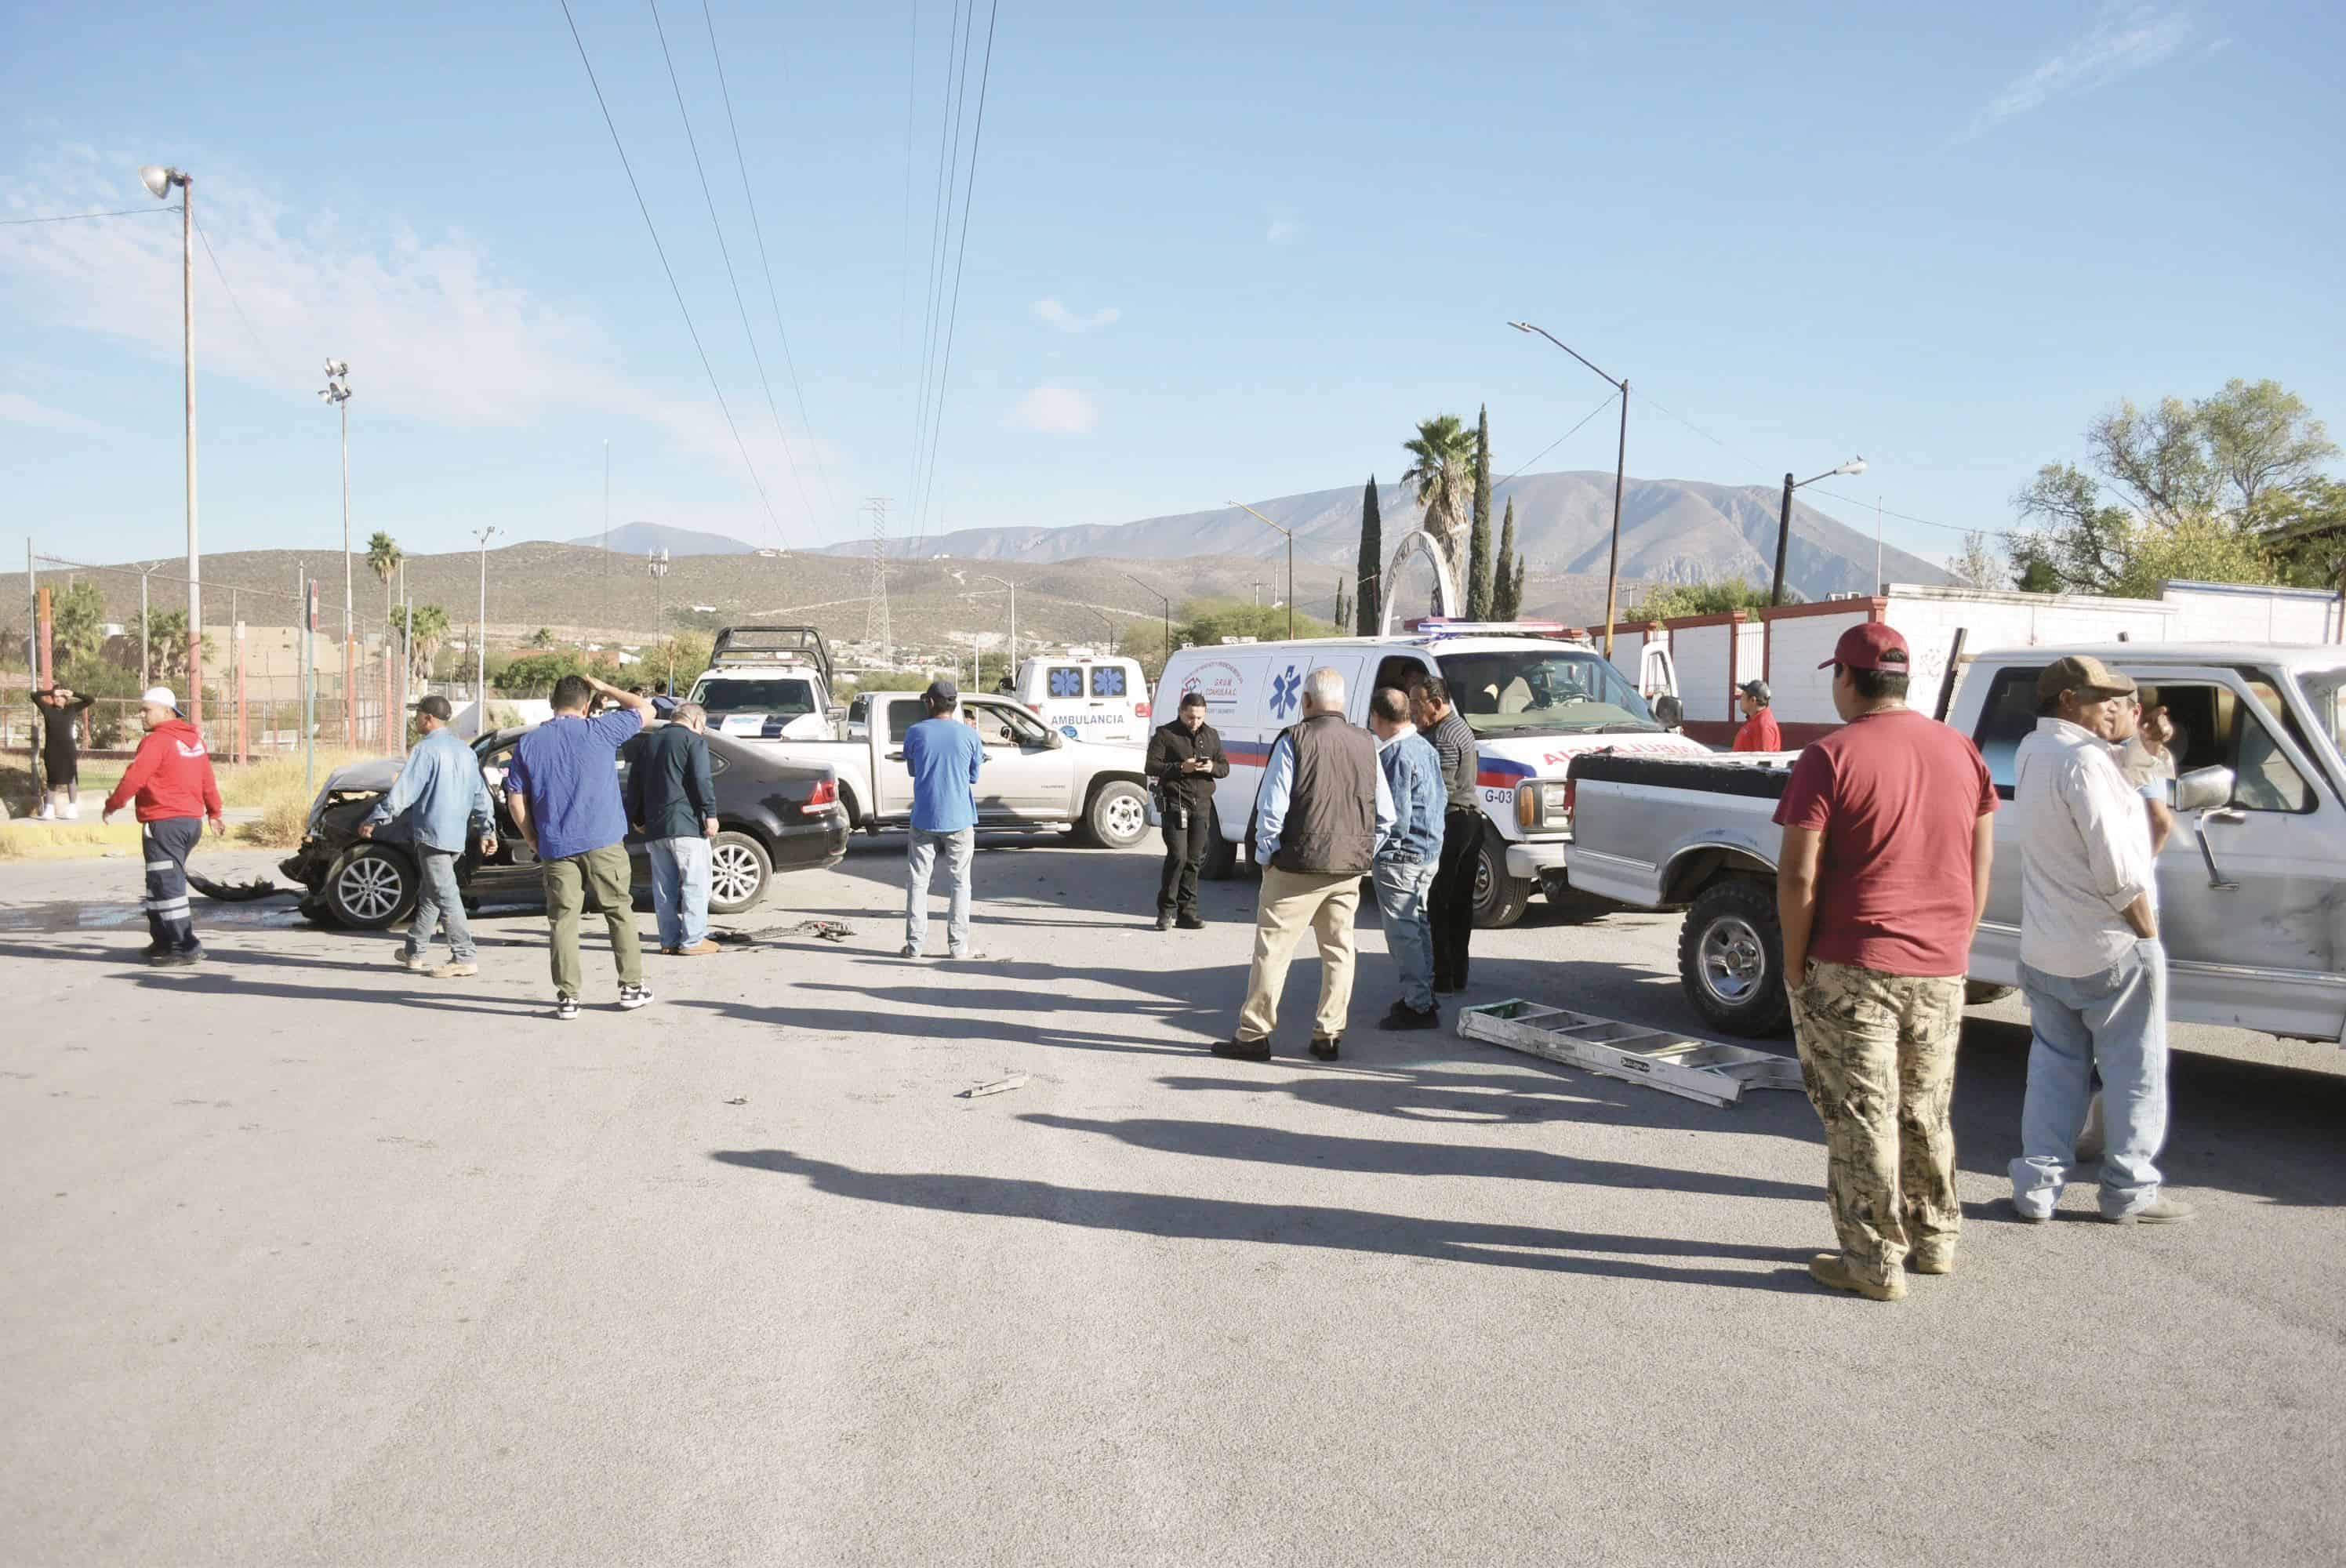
<point>312,1261</point>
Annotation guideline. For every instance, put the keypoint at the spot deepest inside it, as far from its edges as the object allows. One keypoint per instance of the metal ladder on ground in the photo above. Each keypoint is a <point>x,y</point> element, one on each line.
<point>1702,1070</point>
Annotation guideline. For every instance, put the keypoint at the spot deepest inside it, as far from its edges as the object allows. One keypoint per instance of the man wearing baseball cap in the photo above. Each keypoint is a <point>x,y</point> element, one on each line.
<point>1881,880</point>
<point>2090,959</point>
<point>445,803</point>
<point>943,755</point>
<point>1760,732</point>
<point>171,779</point>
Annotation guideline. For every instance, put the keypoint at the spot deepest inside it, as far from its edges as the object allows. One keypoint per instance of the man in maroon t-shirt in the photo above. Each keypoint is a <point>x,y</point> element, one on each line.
<point>1881,880</point>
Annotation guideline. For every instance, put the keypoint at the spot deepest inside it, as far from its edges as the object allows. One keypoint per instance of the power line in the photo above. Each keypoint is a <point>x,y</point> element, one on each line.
<point>1560,440</point>
<point>757,227</point>
<point>77,217</point>
<point>259,346</point>
<point>661,251</point>
<point>969,187</point>
<point>940,235</point>
<point>788,460</point>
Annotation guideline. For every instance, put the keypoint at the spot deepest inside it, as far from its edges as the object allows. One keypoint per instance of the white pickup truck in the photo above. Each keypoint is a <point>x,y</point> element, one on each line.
<point>1032,776</point>
<point>2252,883</point>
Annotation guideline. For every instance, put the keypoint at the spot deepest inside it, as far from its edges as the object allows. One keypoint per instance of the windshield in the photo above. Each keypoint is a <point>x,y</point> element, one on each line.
<point>751,694</point>
<point>2325,694</point>
<point>1534,690</point>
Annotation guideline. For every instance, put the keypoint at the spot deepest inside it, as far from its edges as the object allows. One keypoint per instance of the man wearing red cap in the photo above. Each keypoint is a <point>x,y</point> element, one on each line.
<point>1883,877</point>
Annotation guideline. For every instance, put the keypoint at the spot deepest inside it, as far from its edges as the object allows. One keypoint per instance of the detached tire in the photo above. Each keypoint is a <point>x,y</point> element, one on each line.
<point>739,871</point>
<point>1499,899</point>
<point>1118,817</point>
<point>1731,958</point>
<point>370,887</point>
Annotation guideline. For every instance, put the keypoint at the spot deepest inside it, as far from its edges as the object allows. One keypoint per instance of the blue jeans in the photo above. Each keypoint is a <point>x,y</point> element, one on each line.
<point>1404,890</point>
<point>680,890</point>
<point>437,897</point>
<point>2115,1021</point>
<point>919,862</point>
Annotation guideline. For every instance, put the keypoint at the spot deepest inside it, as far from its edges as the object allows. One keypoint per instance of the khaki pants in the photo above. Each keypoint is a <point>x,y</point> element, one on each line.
<point>1878,1052</point>
<point>600,875</point>
<point>1292,901</point>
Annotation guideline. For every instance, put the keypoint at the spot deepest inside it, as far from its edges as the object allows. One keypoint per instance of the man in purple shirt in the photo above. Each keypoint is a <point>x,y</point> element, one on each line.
<point>562,784</point>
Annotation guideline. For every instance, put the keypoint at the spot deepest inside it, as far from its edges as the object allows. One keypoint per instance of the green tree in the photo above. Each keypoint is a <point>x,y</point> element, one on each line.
<point>541,638</point>
<point>1507,579</point>
<point>1372,562</point>
<point>1662,602</point>
<point>77,625</point>
<point>1344,612</point>
<point>533,675</point>
<point>1205,621</point>
<point>166,638</point>
<point>1480,574</point>
<point>425,632</point>
<point>383,558</point>
<point>1979,565</point>
<point>1441,455</point>
<point>2305,529</point>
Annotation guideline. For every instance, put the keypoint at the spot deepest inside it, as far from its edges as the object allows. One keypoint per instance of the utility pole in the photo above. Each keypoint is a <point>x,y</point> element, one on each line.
<point>1013,620</point>
<point>1290,562</point>
<point>1168,609</point>
<point>308,678</point>
<point>336,395</point>
<point>607,528</point>
<point>1879,586</point>
<point>480,645</point>
<point>1784,523</point>
<point>158,181</point>
<point>876,629</point>
<point>658,560</point>
<point>406,653</point>
<point>1620,467</point>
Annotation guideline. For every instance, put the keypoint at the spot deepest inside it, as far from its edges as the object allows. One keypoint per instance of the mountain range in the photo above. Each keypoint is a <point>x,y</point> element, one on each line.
<point>637,538</point>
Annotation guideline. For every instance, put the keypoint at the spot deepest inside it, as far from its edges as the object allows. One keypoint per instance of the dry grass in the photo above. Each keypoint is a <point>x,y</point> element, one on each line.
<point>86,840</point>
<point>276,778</point>
<point>281,827</point>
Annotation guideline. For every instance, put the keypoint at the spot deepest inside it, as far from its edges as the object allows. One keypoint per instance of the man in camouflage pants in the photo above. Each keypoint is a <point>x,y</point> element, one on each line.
<point>1883,877</point>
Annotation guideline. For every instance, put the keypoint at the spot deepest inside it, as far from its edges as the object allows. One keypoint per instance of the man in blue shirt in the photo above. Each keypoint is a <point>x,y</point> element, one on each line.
<point>563,785</point>
<point>446,802</point>
<point>944,755</point>
<point>1408,857</point>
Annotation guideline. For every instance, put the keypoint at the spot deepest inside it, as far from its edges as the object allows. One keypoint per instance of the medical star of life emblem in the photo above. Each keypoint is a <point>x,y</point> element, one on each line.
<point>1286,693</point>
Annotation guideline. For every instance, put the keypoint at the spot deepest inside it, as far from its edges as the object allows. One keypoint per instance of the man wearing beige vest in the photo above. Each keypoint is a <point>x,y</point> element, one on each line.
<point>1321,811</point>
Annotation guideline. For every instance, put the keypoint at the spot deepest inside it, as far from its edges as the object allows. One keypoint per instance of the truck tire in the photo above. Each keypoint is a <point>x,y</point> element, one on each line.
<point>739,871</point>
<point>1221,861</point>
<point>1499,899</point>
<point>1731,958</point>
<point>1118,816</point>
<point>370,887</point>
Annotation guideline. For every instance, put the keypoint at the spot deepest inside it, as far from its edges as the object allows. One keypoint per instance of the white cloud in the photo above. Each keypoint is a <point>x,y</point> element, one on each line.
<point>1057,315</point>
<point>1054,411</point>
<point>2123,39</point>
<point>16,408</point>
<point>1286,225</point>
<point>434,328</point>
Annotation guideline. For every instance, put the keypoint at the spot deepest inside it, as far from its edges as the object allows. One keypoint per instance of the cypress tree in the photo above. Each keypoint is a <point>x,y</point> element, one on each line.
<point>1507,582</point>
<point>1478,538</point>
<point>1372,572</point>
<point>1343,604</point>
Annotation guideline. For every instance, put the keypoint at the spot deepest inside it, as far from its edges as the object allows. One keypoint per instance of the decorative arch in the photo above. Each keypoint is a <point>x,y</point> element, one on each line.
<point>1418,542</point>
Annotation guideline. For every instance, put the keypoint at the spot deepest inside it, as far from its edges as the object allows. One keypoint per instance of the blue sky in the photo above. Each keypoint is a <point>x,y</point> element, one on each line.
<point>1215,250</point>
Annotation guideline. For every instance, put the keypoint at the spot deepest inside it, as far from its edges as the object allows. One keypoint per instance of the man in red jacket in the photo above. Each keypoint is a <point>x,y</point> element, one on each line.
<point>172,777</point>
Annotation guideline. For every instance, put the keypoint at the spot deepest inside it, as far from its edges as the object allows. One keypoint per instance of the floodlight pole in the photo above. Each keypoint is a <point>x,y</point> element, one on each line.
<point>1290,560</point>
<point>1784,522</point>
<point>480,645</point>
<point>1620,467</point>
<point>1166,602</point>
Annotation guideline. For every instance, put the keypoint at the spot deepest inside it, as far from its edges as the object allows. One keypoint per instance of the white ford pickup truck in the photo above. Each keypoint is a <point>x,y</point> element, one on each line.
<point>2252,883</point>
<point>1032,776</point>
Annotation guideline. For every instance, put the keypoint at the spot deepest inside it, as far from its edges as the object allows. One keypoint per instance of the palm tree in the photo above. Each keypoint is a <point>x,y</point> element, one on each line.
<point>1442,464</point>
<point>77,625</point>
<point>382,559</point>
<point>426,629</point>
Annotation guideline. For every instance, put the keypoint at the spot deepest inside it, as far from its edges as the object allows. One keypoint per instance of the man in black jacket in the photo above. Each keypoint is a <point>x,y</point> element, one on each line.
<point>672,802</point>
<point>1451,903</point>
<point>1185,758</point>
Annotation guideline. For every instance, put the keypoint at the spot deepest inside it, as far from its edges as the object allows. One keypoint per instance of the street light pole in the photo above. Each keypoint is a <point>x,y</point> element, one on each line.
<point>1784,522</point>
<point>481,643</point>
<point>1620,467</point>
<point>1290,559</point>
<point>158,181</point>
<point>336,393</point>
<point>1006,583</point>
<point>1168,609</point>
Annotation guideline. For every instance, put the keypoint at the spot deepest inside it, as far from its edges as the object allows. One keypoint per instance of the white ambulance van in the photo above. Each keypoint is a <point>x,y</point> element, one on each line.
<point>1086,697</point>
<point>1534,695</point>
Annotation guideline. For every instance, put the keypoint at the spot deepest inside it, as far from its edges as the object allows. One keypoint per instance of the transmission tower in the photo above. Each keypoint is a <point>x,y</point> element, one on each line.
<point>875,627</point>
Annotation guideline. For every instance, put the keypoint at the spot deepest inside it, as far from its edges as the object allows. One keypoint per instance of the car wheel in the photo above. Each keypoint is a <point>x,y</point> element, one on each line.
<point>1499,899</point>
<point>370,887</point>
<point>1731,958</point>
<point>739,871</point>
<point>1117,817</point>
<point>1221,861</point>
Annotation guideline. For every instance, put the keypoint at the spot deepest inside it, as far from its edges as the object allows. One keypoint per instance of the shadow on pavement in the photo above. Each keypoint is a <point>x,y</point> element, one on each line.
<point>1294,1225</point>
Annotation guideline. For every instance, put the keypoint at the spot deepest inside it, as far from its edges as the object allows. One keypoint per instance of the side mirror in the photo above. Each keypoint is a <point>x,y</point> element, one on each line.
<point>1054,739</point>
<point>1669,712</point>
<point>2203,789</point>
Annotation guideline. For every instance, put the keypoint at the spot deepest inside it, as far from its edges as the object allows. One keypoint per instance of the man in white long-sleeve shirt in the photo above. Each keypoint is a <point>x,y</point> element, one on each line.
<point>2090,959</point>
